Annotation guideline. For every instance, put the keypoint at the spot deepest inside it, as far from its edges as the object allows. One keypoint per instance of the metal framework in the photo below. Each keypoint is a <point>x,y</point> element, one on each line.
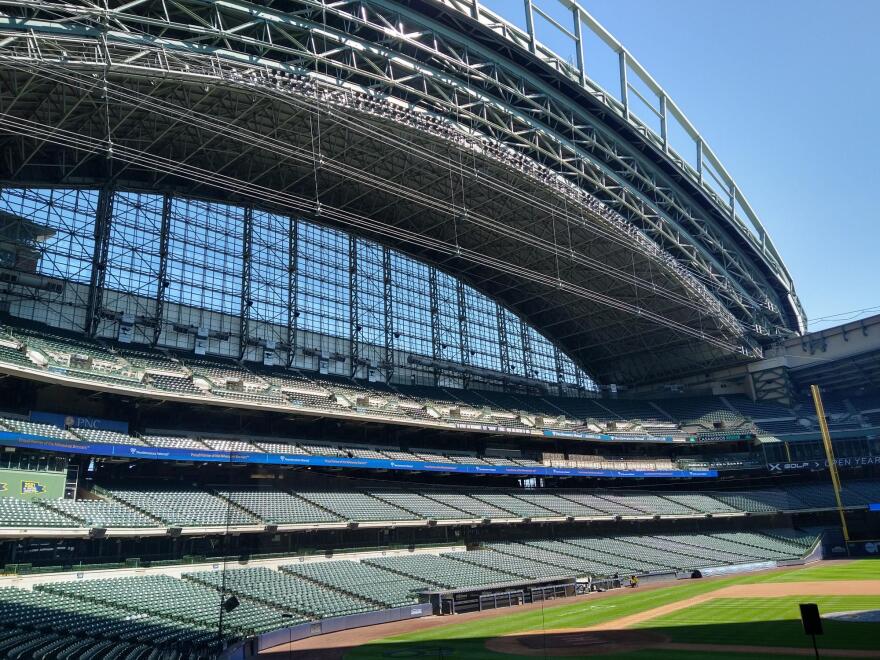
<point>307,277</point>
<point>432,126</point>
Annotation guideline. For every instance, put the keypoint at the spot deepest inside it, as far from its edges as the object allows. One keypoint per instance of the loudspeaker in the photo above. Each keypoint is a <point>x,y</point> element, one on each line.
<point>811,619</point>
<point>230,604</point>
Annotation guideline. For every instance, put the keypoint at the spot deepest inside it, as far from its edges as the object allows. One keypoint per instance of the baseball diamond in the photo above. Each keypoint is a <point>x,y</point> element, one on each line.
<point>367,329</point>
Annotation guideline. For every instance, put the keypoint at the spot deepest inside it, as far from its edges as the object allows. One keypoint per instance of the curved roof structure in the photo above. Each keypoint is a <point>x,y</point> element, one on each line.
<point>432,126</point>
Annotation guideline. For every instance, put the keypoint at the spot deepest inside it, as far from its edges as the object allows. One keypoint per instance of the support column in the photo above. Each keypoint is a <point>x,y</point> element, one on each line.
<point>95,302</point>
<point>354,326</point>
<point>163,267</point>
<point>464,343</point>
<point>560,372</point>
<point>530,24</point>
<point>502,339</point>
<point>436,339</point>
<point>387,297</point>
<point>579,379</point>
<point>292,291</point>
<point>624,83</point>
<point>246,301</point>
<point>528,364</point>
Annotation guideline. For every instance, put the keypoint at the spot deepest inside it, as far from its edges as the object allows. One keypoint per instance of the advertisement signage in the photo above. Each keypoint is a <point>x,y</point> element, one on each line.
<point>207,455</point>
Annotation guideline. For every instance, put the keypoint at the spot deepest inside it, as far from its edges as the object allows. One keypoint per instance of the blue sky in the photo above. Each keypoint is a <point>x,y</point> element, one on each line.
<point>787,93</point>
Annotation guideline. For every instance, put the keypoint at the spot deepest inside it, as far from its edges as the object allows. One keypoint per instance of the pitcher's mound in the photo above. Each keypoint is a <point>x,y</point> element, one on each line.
<point>575,642</point>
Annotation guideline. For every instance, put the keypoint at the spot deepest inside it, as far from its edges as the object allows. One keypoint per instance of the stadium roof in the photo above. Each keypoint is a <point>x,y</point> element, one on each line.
<point>445,133</point>
<point>843,358</point>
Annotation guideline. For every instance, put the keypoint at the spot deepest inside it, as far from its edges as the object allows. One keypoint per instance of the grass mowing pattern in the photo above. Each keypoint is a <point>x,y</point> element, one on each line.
<point>767,622</point>
<point>860,569</point>
<point>466,640</point>
<point>757,621</point>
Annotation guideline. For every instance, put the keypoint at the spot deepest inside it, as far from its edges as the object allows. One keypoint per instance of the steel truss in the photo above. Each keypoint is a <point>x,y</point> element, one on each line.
<point>404,127</point>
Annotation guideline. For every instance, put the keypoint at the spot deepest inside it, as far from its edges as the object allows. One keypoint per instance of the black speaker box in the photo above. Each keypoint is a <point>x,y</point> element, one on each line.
<point>811,619</point>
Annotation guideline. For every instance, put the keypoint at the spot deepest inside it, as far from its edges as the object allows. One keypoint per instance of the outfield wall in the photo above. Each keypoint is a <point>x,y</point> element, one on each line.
<point>251,647</point>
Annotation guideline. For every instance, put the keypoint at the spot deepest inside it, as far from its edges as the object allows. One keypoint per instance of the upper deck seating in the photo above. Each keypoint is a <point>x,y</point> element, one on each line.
<point>278,507</point>
<point>356,506</point>
<point>183,507</point>
<point>101,513</point>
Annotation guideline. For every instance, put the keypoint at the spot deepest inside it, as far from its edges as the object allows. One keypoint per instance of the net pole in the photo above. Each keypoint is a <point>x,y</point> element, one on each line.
<point>829,455</point>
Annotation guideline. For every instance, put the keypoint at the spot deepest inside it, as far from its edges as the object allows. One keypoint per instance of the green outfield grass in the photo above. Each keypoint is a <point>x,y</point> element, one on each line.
<point>768,622</point>
<point>859,569</point>
<point>752,621</point>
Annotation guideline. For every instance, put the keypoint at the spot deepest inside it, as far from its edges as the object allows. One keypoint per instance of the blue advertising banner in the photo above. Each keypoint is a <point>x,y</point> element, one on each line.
<point>845,462</point>
<point>207,455</point>
<point>607,437</point>
<point>75,421</point>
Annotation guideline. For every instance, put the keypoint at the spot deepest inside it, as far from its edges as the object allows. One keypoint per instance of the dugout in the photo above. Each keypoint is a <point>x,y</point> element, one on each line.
<point>487,597</point>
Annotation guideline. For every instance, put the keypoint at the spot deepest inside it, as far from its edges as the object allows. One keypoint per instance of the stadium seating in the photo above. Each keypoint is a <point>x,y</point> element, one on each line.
<point>418,504</point>
<point>771,542</point>
<point>43,609</point>
<point>356,506</point>
<point>604,563</point>
<point>614,550</point>
<point>100,513</point>
<point>183,507</point>
<point>173,442</point>
<point>740,551</point>
<point>443,571</point>
<point>362,580</point>
<point>565,555</point>
<point>278,507</point>
<point>524,554</point>
<point>476,508</point>
<point>33,428</point>
<point>759,500</point>
<point>284,591</point>
<point>106,437</point>
<point>155,616</point>
<point>150,505</point>
<point>700,502</point>
<point>281,447</point>
<point>22,513</point>
<point>558,505</point>
<point>523,567</point>
<point>709,412</point>
<point>174,384</point>
<point>229,445</point>
<point>688,547</point>
<point>14,354</point>
<point>228,379</point>
<point>515,505</point>
<point>169,598</point>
